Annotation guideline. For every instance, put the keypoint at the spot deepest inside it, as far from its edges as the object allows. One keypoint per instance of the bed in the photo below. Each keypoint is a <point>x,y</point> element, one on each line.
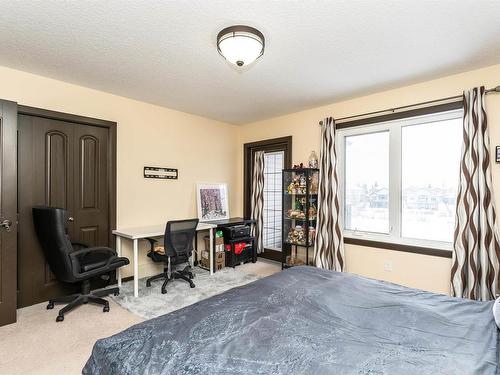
<point>309,321</point>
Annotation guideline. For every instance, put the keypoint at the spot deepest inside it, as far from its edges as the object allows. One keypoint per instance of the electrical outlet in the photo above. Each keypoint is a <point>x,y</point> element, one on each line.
<point>388,266</point>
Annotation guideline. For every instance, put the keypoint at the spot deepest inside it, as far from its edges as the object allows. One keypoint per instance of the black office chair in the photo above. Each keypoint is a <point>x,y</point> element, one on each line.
<point>178,244</point>
<point>71,265</point>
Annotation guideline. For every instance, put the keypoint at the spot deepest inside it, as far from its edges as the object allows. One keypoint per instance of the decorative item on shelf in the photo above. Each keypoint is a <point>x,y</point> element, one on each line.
<point>296,214</point>
<point>296,235</point>
<point>302,182</point>
<point>312,212</point>
<point>293,260</point>
<point>296,186</point>
<point>312,235</point>
<point>313,183</point>
<point>298,210</point>
<point>313,160</point>
<point>298,166</point>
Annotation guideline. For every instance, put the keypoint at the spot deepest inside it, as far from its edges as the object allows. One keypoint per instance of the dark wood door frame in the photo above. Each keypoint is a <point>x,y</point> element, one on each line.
<point>268,145</point>
<point>8,205</point>
<point>83,120</point>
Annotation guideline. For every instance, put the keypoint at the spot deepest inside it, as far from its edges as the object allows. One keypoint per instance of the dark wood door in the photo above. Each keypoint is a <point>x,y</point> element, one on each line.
<point>61,164</point>
<point>91,206</point>
<point>8,212</point>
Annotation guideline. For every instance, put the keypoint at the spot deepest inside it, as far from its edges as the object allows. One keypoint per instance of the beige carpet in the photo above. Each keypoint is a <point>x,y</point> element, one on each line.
<point>36,344</point>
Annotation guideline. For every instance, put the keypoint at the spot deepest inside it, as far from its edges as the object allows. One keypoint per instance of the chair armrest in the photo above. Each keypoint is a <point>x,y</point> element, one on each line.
<point>75,261</point>
<point>80,244</point>
<point>86,250</point>
<point>152,242</point>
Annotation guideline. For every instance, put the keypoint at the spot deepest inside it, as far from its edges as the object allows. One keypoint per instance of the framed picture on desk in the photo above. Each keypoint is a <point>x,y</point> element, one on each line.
<point>212,202</point>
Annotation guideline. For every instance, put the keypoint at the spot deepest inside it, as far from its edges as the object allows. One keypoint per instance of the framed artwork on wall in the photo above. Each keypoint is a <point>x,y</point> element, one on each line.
<point>212,202</point>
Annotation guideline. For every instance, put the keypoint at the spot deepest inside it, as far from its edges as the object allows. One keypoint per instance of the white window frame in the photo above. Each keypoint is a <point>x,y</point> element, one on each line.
<point>394,127</point>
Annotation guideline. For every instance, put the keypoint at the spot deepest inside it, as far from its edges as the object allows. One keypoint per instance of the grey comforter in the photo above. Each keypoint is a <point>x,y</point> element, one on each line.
<point>309,321</point>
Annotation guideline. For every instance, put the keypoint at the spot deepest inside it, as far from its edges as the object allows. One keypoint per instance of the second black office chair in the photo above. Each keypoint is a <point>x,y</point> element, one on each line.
<point>178,244</point>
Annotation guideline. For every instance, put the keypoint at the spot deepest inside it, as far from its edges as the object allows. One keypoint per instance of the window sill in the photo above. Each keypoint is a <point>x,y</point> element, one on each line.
<point>399,247</point>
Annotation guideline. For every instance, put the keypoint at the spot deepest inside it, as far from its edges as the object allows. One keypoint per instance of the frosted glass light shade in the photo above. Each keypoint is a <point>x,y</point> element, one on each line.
<point>240,45</point>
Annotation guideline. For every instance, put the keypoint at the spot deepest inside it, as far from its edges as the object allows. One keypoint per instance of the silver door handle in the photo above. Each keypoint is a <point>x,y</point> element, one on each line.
<point>6,224</point>
<point>71,219</point>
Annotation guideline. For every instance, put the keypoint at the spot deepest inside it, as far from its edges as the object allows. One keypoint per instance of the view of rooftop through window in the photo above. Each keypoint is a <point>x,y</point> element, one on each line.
<point>430,172</point>
<point>367,182</point>
<point>427,182</point>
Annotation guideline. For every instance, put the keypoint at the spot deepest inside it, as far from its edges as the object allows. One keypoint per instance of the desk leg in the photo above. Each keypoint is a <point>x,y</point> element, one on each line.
<point>136,269</point>
<point>211,252</point>
<point>194,253</point>
<point>119,253</point>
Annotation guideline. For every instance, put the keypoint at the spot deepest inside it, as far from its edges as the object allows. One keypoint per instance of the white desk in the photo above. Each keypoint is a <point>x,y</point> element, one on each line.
<point>136,234</point>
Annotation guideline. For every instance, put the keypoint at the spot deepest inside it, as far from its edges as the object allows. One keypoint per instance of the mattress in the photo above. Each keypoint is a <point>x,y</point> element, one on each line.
<point>309,321</point>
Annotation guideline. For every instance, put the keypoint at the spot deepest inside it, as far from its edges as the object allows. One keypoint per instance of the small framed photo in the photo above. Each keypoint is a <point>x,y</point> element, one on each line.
<point>497,154</point>
<point>212,202</point>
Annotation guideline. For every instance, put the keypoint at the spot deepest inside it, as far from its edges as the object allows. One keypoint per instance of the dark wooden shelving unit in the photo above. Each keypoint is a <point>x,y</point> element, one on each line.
<point>299,203</point>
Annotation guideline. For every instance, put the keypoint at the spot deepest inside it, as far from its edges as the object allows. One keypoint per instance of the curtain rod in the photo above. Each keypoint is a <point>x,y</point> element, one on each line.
<point>392,110</point>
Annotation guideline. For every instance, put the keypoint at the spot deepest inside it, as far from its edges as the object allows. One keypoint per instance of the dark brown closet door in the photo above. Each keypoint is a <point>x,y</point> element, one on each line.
<point>45,178</point>
<point>90,212</point>
<point>61,164</point>
<point>8,210</point>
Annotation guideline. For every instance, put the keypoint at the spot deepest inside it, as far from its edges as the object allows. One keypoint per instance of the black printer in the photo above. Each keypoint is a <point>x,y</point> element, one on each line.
<point>236,231</point>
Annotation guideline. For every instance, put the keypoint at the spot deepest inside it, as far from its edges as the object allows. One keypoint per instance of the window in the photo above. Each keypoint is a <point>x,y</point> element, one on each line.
<point>273,166</point>
<point>429,179</point>
<point>401,178</point>
<point>367,182</point>
<point>277,156</point>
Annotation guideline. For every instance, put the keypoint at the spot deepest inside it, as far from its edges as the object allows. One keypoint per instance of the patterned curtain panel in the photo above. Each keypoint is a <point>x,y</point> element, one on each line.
<point>329,244</point>
<point>258,199</point>
<point>476,249</point>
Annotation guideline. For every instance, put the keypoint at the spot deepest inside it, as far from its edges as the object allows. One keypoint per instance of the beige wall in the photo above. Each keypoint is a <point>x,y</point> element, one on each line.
<point>426,272</point>
<point>203,150</point>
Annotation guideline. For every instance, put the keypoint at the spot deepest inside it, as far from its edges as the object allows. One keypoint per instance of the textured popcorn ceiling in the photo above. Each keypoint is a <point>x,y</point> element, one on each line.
<point>317,51</point>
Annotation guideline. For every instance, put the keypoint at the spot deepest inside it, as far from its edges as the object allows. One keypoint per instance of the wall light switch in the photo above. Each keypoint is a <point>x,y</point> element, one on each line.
<point>388,266</point>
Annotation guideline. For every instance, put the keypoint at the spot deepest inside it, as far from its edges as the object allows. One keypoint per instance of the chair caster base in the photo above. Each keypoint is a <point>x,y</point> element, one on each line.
<point>105,308</point>
<point>60,318</point>
<point>116,294</point>
<point>163,291</point>
<point>50,306</point>
<point>192,285</point>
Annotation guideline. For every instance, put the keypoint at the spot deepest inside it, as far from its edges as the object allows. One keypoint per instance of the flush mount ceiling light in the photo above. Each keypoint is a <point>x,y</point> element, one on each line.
<point>240,45</point>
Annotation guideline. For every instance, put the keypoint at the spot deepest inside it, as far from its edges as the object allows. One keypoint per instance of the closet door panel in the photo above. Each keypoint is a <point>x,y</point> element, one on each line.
<point>57,169</point>
<point>45,178</point>
<point>91,185</point>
